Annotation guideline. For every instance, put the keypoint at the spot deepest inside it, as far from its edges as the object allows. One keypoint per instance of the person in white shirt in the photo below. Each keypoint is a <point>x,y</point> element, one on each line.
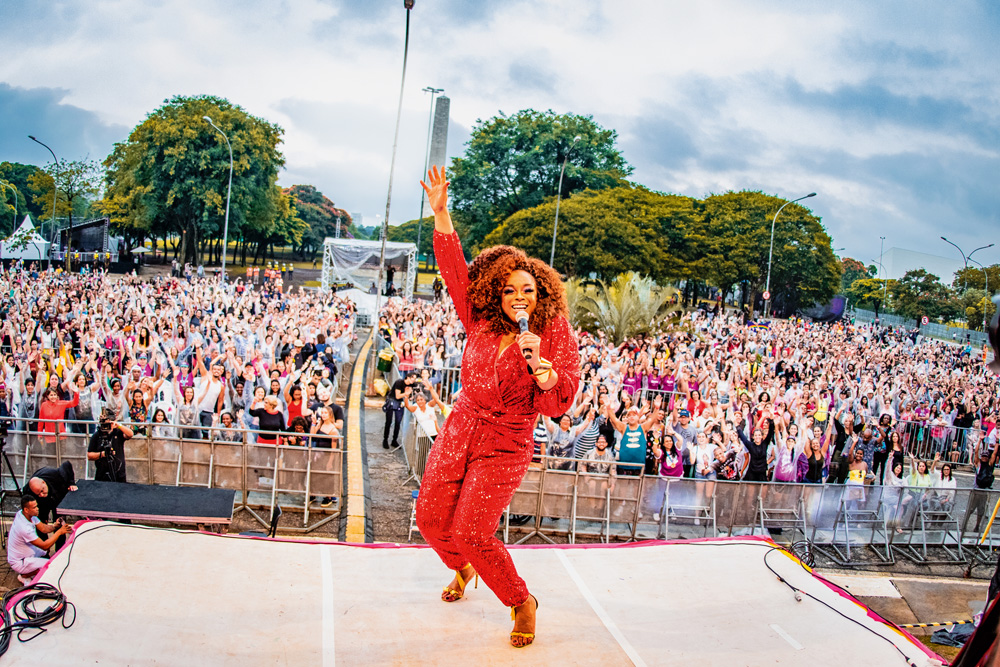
<point>208,389</point>
<point>424,411</point>
<point>26,551</point>
<point>944,489</point>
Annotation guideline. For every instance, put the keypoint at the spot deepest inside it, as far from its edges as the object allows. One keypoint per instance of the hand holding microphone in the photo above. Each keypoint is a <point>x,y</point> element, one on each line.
<point>527,341</point>
<point>522,323</point>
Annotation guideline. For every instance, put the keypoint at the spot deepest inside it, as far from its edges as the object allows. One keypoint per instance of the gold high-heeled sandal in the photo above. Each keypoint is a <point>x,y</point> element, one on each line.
<point>452,595</point>
<point>529,636</point>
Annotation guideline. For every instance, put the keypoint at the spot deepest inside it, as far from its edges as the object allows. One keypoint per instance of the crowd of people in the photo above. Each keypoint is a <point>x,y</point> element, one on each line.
<point>180,355</point>
<point>716,397</point>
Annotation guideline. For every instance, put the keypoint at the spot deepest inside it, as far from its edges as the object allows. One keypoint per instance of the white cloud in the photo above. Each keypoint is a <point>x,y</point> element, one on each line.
<point>786,97</point>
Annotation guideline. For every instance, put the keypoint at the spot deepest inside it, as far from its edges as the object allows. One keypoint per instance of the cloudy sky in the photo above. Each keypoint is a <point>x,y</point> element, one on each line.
<point>889,110</point>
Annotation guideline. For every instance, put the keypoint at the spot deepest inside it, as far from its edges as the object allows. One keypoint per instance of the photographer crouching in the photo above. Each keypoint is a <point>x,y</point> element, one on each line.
<point>107,448</point>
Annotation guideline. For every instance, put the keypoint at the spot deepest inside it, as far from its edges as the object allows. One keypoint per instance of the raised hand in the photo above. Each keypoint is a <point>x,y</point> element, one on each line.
<point>437,191</point>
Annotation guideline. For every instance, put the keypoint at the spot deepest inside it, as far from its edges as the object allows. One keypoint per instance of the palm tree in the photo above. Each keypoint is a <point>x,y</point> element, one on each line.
<point>629,305</point>
<point>576,291</point>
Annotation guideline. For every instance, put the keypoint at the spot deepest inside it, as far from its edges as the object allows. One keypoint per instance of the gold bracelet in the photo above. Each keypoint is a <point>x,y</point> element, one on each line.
<point>542,376</point>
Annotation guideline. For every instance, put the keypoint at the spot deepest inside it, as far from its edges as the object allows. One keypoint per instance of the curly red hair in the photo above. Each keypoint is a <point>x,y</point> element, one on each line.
<point>488,273</point>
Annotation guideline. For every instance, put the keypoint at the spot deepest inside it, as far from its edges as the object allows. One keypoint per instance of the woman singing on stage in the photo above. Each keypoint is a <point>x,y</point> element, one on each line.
<point>482,452</point>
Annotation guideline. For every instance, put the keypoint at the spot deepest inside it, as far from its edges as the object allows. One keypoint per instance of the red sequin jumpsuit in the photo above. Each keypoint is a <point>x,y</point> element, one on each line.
<point>483,450</point>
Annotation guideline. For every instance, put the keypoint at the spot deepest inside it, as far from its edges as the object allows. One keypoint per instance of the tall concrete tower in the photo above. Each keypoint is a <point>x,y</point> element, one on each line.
<point>439,135</point>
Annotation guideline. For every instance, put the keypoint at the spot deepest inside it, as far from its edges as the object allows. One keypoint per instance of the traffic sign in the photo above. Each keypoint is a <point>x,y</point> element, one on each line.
<point>767,296</point>
<point>925,320</point>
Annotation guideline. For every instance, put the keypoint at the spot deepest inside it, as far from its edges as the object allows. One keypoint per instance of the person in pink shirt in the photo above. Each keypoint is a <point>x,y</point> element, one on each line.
<point>54,410</point>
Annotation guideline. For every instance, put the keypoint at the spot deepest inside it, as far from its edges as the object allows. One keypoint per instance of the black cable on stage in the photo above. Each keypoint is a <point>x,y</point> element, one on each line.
<point>39,605</point>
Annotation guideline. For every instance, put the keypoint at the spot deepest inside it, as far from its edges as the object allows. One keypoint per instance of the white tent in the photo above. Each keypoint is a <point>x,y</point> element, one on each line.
<point>357,262</point>
<point>24,243</point>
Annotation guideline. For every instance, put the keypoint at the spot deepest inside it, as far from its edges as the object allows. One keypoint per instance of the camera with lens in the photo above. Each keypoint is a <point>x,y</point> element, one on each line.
<point>106,420</point>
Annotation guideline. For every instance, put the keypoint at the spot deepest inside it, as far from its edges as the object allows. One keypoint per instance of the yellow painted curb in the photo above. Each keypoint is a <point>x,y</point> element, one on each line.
<point>355,531</point>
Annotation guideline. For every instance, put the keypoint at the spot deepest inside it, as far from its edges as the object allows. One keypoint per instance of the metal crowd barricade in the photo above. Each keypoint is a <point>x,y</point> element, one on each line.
<point>689,501</point>
<point>449,383</point>
<point>591,502</point>
<point>416,448</point>
<point>980,542</point>
<point>667,398</point>
<point>934,521</point>
<point>783,506</point>
<point>262,475</point>
<point>835,519</point>
<point>861,508</point>
<point>345,371</point>
<point>923,440</point>
<point>555,499</point>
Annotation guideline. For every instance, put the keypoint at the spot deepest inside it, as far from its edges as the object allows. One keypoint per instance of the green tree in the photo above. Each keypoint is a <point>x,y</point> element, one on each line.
<point>77,184</point>
<point>512,163</point>
<point>627,306</point>
<point>920,293</point>
<point>280,227</point>
<point>868,292</point>
<point>853,270</point>
<point>12,204</point>
<point>611,231</point>
<point>971,305</point>
<point>804,270</point>
<point>18,175</point>
<point>170,176</point>
<point>320,215</point>
<point>973,278</point>
<point>407,233</point>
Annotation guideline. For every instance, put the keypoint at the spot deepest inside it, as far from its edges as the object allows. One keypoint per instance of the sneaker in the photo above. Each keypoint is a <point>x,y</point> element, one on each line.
<point>395,445</point>
<point>24,580</point>
<point>656,517</point>
<point>328,502</point>
<point>385,445</point>
<point>697,522</point>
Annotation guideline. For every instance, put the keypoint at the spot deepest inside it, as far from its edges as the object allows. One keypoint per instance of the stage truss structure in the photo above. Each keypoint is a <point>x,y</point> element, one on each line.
<point>355,261</point>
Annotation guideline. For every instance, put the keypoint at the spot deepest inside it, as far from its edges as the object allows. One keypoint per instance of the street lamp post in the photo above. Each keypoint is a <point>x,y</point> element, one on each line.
<point>770,253</point>
<point>14,190</point>
<point>555,225</point>
<point>229,191</point>
<point>986,288</point>
<point>881,259</point>
<point>885,283</point>
<point>427,159</point>
<point>55,192</point>
<point>966,258</point>
<point>408,5</point>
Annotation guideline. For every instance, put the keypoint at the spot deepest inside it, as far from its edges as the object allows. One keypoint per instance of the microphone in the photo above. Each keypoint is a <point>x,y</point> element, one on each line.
<point>522,323</point>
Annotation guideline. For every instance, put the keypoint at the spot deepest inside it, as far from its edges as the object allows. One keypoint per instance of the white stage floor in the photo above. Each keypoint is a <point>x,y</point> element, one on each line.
<point>150,596</point>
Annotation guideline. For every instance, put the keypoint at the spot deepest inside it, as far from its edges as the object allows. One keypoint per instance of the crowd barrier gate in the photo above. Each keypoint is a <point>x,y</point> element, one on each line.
<point>263,476</point>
